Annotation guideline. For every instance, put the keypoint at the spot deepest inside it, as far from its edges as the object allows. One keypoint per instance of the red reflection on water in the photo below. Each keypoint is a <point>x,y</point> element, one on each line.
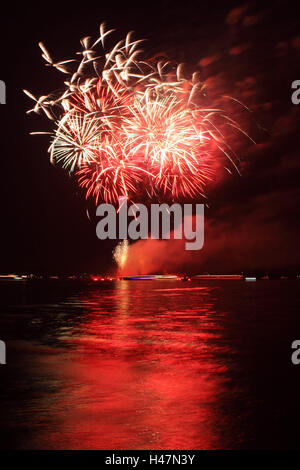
<point>141,373</point>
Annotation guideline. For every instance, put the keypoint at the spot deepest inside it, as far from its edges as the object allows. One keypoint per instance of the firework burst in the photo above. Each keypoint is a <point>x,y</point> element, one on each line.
<point>126,126</point>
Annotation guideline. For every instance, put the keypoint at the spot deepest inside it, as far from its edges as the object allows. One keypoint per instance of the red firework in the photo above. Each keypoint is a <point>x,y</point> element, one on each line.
<point>127,126</point>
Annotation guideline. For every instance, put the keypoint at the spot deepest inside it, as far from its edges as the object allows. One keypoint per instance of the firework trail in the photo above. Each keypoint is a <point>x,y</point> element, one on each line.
<point>126,126</point>
<point>120,253</point>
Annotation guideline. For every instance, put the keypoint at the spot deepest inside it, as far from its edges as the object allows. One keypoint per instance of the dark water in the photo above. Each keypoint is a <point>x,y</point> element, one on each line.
<point>150,365</point>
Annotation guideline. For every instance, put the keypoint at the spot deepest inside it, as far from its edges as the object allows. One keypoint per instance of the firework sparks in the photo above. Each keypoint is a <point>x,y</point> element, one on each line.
<point>127,126</point>
<point>120,253</point>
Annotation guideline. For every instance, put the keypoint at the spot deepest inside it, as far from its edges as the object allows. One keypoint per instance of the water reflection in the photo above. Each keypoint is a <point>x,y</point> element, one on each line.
<point>140,369</point>
<point>142,365</point>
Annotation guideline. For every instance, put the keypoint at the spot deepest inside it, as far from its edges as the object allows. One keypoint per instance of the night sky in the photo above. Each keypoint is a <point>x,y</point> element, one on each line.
<point>249,51</point>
